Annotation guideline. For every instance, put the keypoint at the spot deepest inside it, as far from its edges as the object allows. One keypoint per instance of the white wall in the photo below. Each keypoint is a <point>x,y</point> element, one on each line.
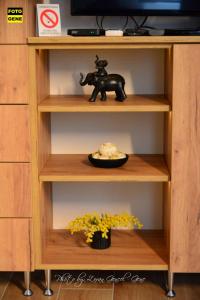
<point>132,132</point>
<point>142,199</point>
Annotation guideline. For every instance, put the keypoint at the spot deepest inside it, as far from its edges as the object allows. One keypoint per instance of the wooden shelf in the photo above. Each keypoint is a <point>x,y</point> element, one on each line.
<point>74,103</point>
<point>130,250</point>
<point>123,41</point>
<point>76,167</point>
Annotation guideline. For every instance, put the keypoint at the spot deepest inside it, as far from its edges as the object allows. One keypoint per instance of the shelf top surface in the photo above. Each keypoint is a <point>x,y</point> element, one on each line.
<point>76,167</point>
<point>75,103</point>
<point>114,40</point>
<point>139,250</point>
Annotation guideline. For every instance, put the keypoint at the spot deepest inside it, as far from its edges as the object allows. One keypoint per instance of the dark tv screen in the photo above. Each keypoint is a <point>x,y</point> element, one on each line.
<point>135,7</point>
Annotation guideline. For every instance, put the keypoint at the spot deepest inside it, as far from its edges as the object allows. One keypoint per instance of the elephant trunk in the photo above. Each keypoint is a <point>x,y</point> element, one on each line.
<point>82,82</point>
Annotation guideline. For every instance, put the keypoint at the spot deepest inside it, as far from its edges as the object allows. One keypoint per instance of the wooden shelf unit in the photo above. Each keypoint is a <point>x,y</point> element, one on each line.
<point>140,250</point>
<point>144,250</point>
<point>79,103</point>
<point>76,167</point>
<point>99,42</point>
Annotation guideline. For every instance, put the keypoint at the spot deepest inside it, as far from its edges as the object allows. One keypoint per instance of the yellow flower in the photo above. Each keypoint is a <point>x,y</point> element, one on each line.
<point>92,222</point>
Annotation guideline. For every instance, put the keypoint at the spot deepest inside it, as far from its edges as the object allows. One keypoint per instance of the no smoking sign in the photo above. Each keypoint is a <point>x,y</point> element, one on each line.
<point>49,20</point>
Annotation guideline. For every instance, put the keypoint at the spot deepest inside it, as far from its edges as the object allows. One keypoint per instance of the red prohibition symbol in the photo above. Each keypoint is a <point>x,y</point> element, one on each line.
<point>49,18</point>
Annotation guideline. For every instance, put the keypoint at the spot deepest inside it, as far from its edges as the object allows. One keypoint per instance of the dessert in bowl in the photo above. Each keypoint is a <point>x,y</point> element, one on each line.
<point>108,156</point>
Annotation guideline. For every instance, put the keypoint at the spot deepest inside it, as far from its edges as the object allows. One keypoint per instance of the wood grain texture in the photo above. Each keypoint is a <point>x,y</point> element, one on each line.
<point>167,213</point>
<point>17,33</point>
<point>85,294</point>
<point>76,167</point>
<point>168,116</point>
<point>34,155</point>
<point>139,250</point>
<point>32,15</point>
<point>43,120</point>
<point>140,103</point>
<point>168,139</point>
<point>15,251</point>
<point>44,138</point>
<point>13,74</point>
<point>139,291</point>
<point>45,208</point>
<point>4,282</point>
<point>168,74</point>
<point>187,287</point>
<point>90,284</point>
<point>15,187</point>
<point>14,133</point>
<point>167,145</point>
<point>155,40</point>
<point>185,209</point>
<point>42,69</point>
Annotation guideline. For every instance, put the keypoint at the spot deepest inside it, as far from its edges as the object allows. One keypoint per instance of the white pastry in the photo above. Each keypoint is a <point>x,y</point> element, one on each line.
<point>108,151</point>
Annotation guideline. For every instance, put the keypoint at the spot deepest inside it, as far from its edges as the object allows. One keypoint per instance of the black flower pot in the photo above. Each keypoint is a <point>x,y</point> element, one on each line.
<point>99,242</point>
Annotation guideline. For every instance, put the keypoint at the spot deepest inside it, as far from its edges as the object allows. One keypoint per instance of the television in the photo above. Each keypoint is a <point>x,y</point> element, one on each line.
<point>135,7</point>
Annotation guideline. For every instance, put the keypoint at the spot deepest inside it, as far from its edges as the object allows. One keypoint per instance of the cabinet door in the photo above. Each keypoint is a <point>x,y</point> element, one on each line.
<point>185,203</point>
<point>15,187</point>
<point>13,74</point>
<point>17,33</point>
<point>15,251</point>
<point>14,133</point>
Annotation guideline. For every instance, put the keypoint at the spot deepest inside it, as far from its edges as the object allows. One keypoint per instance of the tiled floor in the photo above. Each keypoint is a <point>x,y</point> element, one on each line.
<point>187,286</point>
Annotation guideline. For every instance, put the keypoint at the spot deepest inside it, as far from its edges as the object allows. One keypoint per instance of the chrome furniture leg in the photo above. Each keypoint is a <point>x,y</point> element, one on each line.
<point>170,292</point>
<point>48,291</point>
<point>27,279</point>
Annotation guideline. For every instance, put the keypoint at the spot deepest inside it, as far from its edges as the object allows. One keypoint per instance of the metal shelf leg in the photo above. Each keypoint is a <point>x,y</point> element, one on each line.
<point>48,291</point>
<point>170,292</point>
<point>27,280</point>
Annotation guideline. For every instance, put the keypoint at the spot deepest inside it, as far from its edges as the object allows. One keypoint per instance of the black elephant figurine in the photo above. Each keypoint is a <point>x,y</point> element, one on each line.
<point>104,82</point>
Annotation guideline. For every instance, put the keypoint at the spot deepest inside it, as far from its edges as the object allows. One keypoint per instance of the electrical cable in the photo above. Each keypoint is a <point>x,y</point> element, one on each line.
<point>97,22</point>
<point>144,21</point>
<point>100,26</point>
<point>137,25</point>
<point>142,25</point>
<point>102,18</point>
<point>126,23</point>
<point>135,22</point>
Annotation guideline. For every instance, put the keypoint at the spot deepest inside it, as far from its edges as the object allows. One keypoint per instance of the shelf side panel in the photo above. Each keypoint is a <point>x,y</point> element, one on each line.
<point>185,208</point>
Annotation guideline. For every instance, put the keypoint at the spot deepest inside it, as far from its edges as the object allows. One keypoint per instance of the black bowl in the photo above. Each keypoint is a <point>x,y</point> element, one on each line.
<point>107,163</point>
